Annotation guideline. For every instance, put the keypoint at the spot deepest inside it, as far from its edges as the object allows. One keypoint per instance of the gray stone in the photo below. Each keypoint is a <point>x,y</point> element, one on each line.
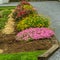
<point>55,56</point>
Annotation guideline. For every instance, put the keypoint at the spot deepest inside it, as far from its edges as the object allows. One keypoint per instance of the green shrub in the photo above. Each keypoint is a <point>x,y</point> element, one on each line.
<point>23,10</point>
<point>27,7</point>
<point>32,21</point>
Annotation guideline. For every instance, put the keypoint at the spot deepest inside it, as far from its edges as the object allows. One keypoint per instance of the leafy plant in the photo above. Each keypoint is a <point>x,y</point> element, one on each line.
<point>27,7</point>
<point>32,21</point>
<point>23,10</point>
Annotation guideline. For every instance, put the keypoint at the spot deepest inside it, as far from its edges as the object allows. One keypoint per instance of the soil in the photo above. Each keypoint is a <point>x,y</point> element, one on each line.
<point>9,45</point>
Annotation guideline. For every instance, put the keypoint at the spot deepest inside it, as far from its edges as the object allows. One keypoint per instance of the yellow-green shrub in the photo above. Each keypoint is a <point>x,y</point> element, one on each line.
<point>32,21</point>
<point>27,7</point>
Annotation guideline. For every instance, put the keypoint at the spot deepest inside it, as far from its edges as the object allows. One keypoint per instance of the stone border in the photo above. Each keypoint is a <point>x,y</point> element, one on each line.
<point>49,52</point>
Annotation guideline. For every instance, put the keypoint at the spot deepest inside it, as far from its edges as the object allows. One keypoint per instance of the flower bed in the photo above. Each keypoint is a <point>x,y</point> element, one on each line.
<point>27,30</point>
<point>35,34</point>
<point>13,46</point>
<point>22,10</point>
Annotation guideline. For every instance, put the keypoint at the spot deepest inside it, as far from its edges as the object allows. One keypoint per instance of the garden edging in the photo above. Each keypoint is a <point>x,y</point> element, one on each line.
<point>49,52</point>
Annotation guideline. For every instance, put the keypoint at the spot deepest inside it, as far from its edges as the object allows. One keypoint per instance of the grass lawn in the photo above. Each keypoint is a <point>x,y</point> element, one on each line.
<point>4,12</point>
<point>6,7</point>
<point>22,55</point>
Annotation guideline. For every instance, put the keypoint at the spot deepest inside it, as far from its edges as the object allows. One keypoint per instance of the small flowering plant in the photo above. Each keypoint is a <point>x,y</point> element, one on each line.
<point>34,34</point>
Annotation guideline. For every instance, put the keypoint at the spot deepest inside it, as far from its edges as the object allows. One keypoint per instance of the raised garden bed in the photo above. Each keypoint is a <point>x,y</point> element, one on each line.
<point>22,34</point>
<point>24,46</point>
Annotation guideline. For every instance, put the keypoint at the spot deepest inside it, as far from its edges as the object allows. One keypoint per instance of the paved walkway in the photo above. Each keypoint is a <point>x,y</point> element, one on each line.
<point>52,10</point>
<point>55,56</point>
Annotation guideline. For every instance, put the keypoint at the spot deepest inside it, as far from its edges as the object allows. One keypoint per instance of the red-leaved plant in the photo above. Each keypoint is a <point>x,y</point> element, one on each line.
<point>21,12</point>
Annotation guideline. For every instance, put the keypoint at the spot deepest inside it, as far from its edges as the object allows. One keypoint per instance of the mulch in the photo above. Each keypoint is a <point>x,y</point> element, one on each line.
<point>9,45</point>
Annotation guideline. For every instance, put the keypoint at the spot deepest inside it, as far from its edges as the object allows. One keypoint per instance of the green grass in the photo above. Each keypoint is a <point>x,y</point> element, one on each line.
<point>4,12</point>
<point>6,7</point>
<point>4,18</point>
<point>2,22</point>
<point>22,56</point>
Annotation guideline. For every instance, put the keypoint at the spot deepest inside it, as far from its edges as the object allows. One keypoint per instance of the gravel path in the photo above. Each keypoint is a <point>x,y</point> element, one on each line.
<point>52,10</point>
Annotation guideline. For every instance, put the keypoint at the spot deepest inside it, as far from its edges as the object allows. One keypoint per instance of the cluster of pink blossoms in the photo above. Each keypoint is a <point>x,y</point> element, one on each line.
<point>35,34</point>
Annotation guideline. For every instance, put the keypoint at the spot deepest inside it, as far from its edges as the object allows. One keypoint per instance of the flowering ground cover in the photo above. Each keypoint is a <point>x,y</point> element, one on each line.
<point>35,34</point>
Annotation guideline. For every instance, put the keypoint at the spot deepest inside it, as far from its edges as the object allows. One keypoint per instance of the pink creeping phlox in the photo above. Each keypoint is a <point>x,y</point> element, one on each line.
<point>35,34</point>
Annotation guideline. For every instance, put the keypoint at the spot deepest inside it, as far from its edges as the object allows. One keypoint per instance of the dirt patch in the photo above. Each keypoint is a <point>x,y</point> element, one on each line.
<point>9,45</point>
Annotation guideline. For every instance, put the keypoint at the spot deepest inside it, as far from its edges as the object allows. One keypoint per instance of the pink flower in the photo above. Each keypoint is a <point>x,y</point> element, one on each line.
<point>35,34</point>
